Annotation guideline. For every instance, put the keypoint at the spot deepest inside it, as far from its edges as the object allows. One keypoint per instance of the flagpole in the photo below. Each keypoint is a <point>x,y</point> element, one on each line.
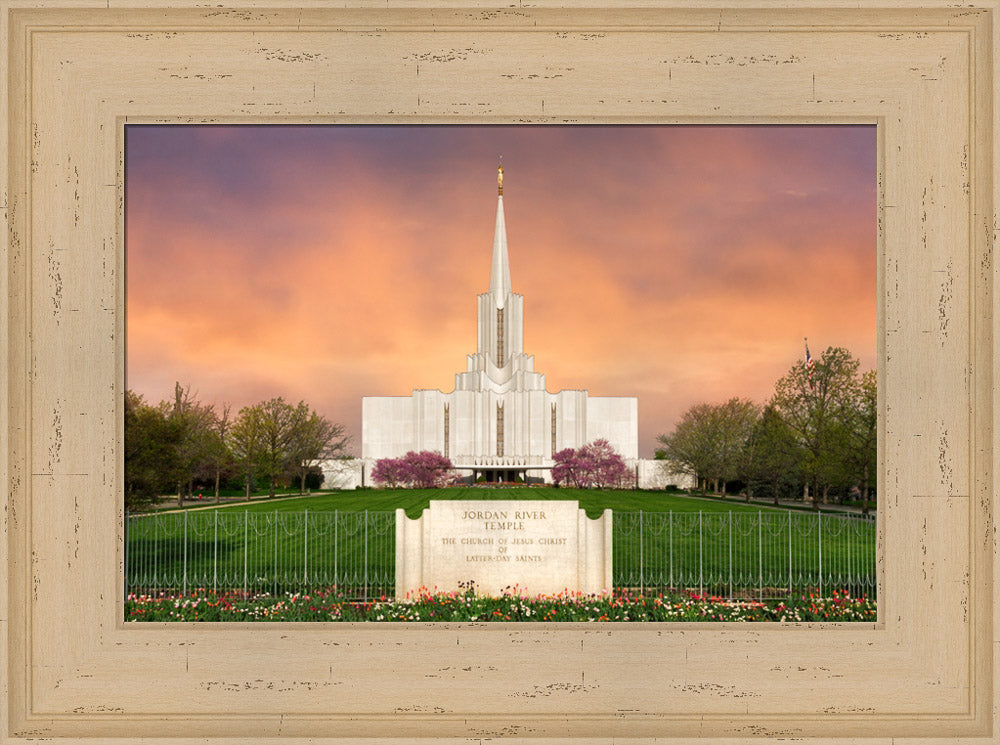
<point>809,364</point>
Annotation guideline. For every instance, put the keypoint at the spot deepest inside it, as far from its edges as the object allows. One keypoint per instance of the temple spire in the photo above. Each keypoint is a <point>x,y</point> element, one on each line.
<point>500,268</point>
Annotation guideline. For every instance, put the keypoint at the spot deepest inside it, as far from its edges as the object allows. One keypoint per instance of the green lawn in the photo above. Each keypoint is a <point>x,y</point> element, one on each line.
<point>347,539</point>
<point>594,501</point>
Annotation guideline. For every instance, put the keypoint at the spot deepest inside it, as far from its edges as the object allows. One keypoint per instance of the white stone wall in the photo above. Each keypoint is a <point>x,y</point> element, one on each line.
<point>615,419</point>
<point>655,474</point>
<point>342,474</point>
<point>428,413</point>
<point>387,426</point>
<point>571,419</point>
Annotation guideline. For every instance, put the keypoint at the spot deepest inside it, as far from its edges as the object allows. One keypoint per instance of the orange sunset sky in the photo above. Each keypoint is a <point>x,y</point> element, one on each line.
<point>678,264</point>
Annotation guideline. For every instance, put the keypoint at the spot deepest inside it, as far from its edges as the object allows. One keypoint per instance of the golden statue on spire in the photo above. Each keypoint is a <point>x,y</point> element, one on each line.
<point>500,177</point>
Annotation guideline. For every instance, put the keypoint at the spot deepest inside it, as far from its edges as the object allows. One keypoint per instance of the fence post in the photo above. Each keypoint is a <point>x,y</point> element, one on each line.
<point>730,554</point>
<point>184,579</point>
<point>789,553</point>
<point>305,551</point>
<point>701,560</point>
<point>156,553</point>
<point>274,568</point>
<point>335,521</point>
<point>125,551</point>
<point>642,584</point>
<point>760,558</point>
<point>671,514</point>
<point>819,532</point>
<point>366,556</point>
<point>246,549</point>
<point>215,554</point>
<point>849,531</point>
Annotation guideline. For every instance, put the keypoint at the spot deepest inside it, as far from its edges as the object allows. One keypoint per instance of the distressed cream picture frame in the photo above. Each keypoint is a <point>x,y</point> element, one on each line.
<point>76,72</point>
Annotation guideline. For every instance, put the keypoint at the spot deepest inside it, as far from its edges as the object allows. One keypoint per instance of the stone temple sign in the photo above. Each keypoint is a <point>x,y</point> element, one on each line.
<point>539,547</point>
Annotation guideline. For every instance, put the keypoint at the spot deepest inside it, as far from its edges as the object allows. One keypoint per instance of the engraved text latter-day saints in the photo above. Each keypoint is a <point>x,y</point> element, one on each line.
<point>537,547</point>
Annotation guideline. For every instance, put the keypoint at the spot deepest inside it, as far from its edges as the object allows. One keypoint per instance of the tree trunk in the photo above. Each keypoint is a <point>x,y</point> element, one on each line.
<point>302,482</point>
<point>217,474</point>
<point>180,494</point>
<point>248,486</point>
<point>776,492</point>
<point>815,496</point>
<point>826,493</point>
<point>270,490</point>
<point>723,492</point>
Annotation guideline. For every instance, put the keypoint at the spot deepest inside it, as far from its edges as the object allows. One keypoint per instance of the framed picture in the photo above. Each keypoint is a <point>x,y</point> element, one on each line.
<point>75,77</point>
<point>654,269</point>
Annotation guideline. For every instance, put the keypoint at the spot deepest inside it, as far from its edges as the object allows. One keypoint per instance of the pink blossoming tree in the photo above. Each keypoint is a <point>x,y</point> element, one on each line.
<point>594,465</point>
<point>424,470</point>
<point>389,472</point>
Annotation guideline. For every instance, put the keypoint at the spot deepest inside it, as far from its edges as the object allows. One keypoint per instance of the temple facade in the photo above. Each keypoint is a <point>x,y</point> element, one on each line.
<point>499,423</point>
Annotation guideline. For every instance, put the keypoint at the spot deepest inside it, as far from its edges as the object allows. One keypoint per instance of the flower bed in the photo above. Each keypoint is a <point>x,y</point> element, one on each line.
<point>468,606</point>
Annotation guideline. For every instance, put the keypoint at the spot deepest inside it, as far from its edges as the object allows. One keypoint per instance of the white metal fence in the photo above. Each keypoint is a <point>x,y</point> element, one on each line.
<point>742,554</point>
<point>726,554</point>
<point>256,552</point>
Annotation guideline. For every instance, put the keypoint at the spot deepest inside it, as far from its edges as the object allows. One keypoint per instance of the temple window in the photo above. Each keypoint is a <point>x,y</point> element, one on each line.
<point>500,337</point>
<point>500,429</point>
<point>553,428</point>
<point>447,428</point>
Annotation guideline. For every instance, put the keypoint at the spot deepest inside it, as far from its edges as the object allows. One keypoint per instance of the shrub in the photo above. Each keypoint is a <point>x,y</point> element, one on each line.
<point>314,479</point>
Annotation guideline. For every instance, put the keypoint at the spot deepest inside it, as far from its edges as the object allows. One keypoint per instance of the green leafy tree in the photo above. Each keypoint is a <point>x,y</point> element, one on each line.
<point>688,449</point>
<point>863,436</point>
<point>818,410</point>
<point>195,422</point>
<point>709,442</point>
<point>278,422</point>
<point>734,426</point>
<point>313,440</point>
<point>772,454</point>
<point>151,442</point>
<point>245,440</point>
<point>219,458</point>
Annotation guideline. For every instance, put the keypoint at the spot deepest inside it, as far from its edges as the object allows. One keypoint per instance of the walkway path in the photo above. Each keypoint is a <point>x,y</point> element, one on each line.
<point>792,503</point>
<point>209,502</point>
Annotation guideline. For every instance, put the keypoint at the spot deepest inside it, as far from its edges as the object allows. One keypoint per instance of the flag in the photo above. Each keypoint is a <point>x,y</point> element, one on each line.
<point>809,365</point>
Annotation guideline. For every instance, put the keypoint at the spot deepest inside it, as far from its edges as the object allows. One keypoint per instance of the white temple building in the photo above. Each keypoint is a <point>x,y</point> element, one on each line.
<point>499,422</point>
